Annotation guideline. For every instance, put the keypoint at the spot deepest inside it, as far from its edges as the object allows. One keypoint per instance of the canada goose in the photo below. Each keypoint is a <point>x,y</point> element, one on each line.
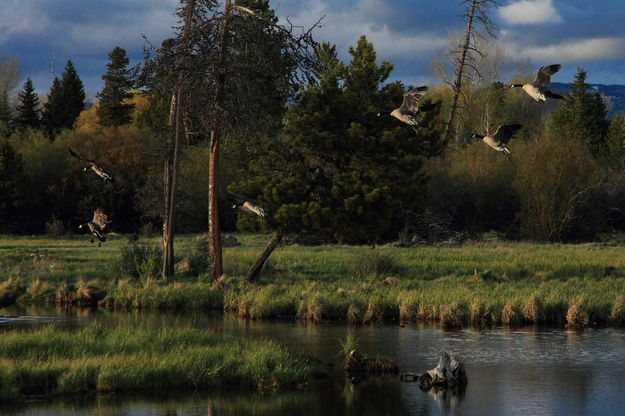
<point>501,137</point>
<point>409,108</point>
<point>539,89</point>
<point>99,170</point>
<point>249,208</point>
<point>97,225</point>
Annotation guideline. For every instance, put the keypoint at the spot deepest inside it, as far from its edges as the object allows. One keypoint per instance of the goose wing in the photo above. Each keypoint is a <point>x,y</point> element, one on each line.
<point>543,76</point>
<point>505,131</point>
<point>100,218</point>
<point>411,100</point>
<point>77,156</point>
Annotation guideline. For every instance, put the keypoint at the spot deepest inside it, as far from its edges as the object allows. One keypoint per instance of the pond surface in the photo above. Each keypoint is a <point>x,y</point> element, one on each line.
<point>528,371</point>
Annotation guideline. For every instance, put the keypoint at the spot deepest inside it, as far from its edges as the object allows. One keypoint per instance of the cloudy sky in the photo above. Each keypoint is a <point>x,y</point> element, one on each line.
<point>590,34</point>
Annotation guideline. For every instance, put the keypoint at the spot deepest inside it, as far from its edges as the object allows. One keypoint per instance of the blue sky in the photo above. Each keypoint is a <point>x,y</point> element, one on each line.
<point>590,34</point>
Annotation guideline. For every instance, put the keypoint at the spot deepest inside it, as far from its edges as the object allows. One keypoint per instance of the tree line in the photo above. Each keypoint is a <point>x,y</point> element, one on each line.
<point>300,134</point>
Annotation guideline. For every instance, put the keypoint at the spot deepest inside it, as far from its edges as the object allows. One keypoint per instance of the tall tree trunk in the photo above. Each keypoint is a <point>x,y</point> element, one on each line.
<point>254,272</point>
<point>214,232</point>
<point>460,72</point>
<point>171,160</point>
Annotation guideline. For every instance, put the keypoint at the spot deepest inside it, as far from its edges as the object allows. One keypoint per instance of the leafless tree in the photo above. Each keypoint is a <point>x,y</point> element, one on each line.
<point>214,66</point>
<point>464,55</point>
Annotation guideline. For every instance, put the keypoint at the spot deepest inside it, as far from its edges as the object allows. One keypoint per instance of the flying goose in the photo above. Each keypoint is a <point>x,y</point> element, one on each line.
<point>501,137</point>
<point>99,170</point>
<point>249,208</point>
<point>97,225</point>
<point>407,112</point>
<point>539,89</point>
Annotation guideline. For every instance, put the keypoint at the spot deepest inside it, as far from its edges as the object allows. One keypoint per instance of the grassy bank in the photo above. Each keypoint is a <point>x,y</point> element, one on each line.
<point>475,283</point>
<point>52,361</point>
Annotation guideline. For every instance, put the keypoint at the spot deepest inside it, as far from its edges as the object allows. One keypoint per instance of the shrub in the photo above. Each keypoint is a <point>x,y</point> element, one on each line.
<point>374,263</point>
<point>140,260</point>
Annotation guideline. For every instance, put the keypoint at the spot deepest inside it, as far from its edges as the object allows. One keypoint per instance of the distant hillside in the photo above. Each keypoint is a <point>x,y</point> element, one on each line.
<point>614,95</point>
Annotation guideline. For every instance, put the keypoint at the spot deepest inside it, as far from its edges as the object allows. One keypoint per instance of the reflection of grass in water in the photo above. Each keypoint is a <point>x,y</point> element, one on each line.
<point>126,358</point>
<point>476,283</point>
<point>231,401</point>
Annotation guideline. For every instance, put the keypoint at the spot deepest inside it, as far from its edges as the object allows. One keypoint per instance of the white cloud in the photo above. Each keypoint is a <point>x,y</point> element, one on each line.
<point>530,12</point>
<point>343,27</point>
<point>594,49</point>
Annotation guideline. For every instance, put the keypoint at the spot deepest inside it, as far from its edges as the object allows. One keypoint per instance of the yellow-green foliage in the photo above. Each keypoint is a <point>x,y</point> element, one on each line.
<point>51,360</point>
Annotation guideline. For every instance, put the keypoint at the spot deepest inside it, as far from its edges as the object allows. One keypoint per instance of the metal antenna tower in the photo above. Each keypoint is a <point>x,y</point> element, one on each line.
<point>52,62</point>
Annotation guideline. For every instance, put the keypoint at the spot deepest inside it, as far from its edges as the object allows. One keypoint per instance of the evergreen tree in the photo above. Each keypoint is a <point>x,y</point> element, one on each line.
<point>73,96</point>
<point>53,116</point>
<point>114,110</point>
<point>27,108</point>
<point>336,170</point>
<point>582,116</point>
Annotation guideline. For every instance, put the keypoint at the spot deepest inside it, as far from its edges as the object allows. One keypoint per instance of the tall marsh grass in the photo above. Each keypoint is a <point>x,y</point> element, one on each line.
<point>479,283</point>
<point>54,361</point>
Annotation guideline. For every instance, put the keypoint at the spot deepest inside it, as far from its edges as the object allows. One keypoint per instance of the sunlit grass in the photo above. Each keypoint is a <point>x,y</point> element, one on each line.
<point>54,361</point>
<point>477,283</point>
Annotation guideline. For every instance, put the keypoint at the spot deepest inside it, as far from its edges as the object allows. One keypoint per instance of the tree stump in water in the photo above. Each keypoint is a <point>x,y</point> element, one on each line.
<point>449,373</point>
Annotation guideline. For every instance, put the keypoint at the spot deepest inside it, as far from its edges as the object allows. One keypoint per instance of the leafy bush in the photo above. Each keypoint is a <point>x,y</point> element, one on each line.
<point>140,260</point>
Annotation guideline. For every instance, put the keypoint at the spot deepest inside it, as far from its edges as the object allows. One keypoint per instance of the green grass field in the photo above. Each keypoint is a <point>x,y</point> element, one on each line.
<point>49,360</point>
<point>475,283</point>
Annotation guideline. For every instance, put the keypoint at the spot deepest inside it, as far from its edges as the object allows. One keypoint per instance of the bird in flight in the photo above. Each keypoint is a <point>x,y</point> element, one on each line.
<point>500,138</point>
<point>93,165</point>
<point>539,89</point>
<point>97,225</point>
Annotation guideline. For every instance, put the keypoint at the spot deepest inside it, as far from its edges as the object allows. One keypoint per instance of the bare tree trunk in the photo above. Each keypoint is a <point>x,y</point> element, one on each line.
<point>460,72</point>
<point>171,161</point>
<point>214,232</point>
<point>254,272</point>
<point>168,243</point>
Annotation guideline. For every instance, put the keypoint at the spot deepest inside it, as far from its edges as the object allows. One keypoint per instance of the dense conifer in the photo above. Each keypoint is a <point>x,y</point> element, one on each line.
<point>28,107</point>
<point>73,96</point>
<point>336,170</point>
<point>114,109</point>
<point>582,116</point>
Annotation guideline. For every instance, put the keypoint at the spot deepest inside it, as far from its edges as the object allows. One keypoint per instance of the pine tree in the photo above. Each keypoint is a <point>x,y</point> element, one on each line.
<point>53,116</point>
<point>114,110</point>
<point>336,170</point>
<point>582,116</point>
<point>73,96</point>
<point>27,108</point>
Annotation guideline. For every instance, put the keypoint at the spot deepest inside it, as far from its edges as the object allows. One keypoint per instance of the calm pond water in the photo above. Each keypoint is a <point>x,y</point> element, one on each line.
<point>528,371</point>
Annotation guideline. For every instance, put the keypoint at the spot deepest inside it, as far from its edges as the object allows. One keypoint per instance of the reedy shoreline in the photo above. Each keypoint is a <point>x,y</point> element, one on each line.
<point>479,283</point>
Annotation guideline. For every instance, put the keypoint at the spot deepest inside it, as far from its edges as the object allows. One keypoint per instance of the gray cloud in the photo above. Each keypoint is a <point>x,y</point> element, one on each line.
<point>406,32</point>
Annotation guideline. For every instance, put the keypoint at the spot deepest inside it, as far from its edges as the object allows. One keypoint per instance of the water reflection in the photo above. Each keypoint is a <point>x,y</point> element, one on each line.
<point>518,371</point>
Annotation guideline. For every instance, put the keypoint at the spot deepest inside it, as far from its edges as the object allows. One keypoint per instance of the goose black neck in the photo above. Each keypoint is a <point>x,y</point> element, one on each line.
<point>516,85</point>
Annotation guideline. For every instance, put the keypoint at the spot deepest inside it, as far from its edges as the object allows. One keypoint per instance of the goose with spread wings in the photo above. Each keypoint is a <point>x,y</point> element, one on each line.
<point>407,112</point>
<point>97,225</point>
<point>539,89</point>
<point>500,138</point>
<point>93,165</point>
<point>250,208</point>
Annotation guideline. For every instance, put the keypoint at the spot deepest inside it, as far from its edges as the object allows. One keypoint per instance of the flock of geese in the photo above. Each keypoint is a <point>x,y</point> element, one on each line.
<point>100,219</point>
<point>406,113</point>
<point>538,90</point>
